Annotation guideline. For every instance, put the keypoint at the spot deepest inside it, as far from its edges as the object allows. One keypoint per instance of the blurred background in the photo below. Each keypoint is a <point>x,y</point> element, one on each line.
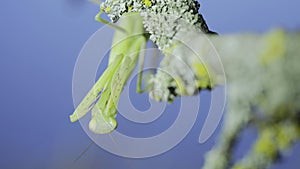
<point>40,42</point>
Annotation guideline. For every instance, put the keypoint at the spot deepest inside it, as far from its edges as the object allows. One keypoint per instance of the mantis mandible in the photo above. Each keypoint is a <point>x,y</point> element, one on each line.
<point>103,97</point>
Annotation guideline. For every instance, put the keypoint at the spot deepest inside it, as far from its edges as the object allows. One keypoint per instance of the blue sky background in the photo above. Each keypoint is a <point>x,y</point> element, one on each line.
<point>40,42</point>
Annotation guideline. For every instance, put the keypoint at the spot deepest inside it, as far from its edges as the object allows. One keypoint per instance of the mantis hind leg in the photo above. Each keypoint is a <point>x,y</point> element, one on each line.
<point>140,73</point>
<point>99,19</point>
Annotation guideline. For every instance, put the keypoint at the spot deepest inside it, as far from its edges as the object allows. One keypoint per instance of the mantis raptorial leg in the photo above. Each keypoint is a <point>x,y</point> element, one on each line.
<point>88,101</point>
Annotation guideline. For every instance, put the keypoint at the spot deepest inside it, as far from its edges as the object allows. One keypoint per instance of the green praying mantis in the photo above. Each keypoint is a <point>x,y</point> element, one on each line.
<point>102,99</point>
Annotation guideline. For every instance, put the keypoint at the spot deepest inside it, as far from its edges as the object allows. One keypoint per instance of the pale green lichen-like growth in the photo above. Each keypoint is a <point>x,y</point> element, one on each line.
<point>148,3</point>
<point>182,72</point>
<point>161,17</point>
<point>263,92</point>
